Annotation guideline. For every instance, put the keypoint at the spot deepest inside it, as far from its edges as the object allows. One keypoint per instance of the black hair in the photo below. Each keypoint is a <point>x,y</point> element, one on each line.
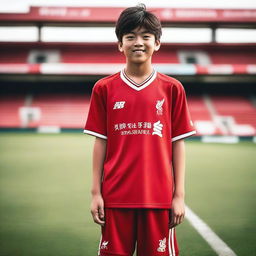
<point>137,17</point>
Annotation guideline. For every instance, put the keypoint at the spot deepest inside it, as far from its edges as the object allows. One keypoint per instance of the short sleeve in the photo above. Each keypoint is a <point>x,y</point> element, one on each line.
<point>97,121</point>
<point>182,125</point>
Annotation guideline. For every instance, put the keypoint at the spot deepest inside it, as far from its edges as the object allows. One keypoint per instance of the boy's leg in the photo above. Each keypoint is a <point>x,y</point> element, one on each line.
<point>118,233</point>
<point>154,236</point>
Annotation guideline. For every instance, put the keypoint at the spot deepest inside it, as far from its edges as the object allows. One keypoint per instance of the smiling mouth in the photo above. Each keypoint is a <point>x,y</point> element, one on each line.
<point>139,50</point>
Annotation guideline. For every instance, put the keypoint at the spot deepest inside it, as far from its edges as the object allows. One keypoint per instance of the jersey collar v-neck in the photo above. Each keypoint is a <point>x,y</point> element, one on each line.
<point>135,85</point>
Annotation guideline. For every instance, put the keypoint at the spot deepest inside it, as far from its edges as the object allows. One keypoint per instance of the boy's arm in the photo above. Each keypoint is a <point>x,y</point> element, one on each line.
<point>178,204</point>
<point>97,204</point>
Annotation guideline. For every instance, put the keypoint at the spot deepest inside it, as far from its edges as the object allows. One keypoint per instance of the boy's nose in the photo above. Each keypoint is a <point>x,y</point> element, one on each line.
<point>138,41</point>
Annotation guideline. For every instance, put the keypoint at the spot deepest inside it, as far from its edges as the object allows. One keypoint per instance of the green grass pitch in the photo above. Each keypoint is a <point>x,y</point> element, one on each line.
<point>45,196</point>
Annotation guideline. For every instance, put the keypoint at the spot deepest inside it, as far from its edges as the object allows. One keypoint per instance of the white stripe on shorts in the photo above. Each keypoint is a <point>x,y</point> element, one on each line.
<point>171,242</point>
<point>99,246</point>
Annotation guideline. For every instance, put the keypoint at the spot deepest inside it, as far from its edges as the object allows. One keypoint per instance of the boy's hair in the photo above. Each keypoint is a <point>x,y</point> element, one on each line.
<point>137,17</point>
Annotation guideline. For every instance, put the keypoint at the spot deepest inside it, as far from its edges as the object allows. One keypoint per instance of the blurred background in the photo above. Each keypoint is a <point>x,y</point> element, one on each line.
<point>52,53</point>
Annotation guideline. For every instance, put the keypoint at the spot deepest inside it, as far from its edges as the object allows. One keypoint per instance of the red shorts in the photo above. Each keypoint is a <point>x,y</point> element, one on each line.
<point>148,228</point>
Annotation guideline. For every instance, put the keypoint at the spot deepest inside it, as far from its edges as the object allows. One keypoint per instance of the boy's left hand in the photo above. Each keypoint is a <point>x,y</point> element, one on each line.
<point>177,211</point>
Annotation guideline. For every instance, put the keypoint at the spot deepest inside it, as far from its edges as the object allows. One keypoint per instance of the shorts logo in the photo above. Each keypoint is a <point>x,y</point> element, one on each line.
<point>162,245</point>
<point>119,104</point>
<point>157,129</point>
<point>159,107</point>
<point>104,245</point>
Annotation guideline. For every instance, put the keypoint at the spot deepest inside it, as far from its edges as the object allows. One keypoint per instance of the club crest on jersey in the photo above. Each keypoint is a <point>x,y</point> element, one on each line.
<point>104,245</point>
<point>159,107</point>
<point>162,245</point>
<point>119,105</point>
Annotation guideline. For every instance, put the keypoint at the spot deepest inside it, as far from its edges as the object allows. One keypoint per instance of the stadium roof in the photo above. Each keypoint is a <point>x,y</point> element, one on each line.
<point>23,6</point>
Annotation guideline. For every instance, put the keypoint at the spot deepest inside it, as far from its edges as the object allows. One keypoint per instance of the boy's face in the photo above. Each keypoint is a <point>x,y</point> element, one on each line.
<point>138,45</point>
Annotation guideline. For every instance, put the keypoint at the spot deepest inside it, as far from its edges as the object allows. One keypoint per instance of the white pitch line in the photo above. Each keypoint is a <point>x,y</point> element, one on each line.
<point>219,246</point>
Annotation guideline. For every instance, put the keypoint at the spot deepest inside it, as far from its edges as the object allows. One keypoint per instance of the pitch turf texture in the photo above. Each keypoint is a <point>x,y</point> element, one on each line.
<point>45,196</point>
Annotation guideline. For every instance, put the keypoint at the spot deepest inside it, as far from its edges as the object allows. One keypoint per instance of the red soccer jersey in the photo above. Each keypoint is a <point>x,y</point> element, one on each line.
<point>139,122</point>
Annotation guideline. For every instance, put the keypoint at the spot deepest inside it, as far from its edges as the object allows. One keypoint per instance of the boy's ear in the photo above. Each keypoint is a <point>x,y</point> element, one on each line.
<point>120,46</point>
<point>157,45</point>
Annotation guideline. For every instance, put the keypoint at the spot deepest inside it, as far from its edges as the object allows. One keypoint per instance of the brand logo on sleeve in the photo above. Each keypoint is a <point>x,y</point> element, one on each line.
<point>119,105</point>
<point>159,107</point>
<point>162,245</point>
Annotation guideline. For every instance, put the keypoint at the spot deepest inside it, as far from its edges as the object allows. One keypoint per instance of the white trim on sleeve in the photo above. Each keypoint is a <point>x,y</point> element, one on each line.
<point>95,134</point>
<point>183,135</point>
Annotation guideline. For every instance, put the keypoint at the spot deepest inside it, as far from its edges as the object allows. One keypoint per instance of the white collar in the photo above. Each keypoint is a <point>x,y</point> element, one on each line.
<point>135,85</point>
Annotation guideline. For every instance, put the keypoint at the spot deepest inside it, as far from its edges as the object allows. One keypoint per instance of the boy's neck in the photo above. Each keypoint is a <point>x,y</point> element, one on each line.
<point>138,71</point>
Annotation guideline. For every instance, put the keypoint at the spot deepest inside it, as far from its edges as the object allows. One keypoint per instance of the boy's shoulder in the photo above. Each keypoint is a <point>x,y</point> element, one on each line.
<point>171,81</point>
<point>103,82</point>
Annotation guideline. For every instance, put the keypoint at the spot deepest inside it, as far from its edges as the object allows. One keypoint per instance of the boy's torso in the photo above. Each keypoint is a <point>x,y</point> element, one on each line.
<point>138,168</point>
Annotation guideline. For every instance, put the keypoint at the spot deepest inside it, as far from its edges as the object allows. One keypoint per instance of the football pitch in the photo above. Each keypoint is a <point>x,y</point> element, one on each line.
<point>45,196</point>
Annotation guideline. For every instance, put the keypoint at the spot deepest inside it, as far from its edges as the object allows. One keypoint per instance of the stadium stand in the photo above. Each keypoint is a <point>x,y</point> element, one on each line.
<point>201,116</point>
<point>9,110</point>
<point>207,65</point>
<point>70,111</point>
<point>65,111</point>
<point>242,55</point>
<point>239,112</point>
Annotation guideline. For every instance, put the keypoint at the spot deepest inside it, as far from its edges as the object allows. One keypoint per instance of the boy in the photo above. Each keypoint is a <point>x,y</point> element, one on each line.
<point>140,118</point>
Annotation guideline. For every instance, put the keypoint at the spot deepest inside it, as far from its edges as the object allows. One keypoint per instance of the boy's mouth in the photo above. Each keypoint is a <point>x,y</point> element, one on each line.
<point>139,50</point>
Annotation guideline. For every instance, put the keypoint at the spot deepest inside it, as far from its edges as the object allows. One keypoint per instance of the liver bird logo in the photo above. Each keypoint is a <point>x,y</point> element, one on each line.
<point>162,245</point>
<point>159,107</point>
<point>104,245</point>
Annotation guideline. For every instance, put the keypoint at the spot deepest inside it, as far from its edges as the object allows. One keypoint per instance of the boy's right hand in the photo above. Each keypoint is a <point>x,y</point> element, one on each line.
<point>97,209</point>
